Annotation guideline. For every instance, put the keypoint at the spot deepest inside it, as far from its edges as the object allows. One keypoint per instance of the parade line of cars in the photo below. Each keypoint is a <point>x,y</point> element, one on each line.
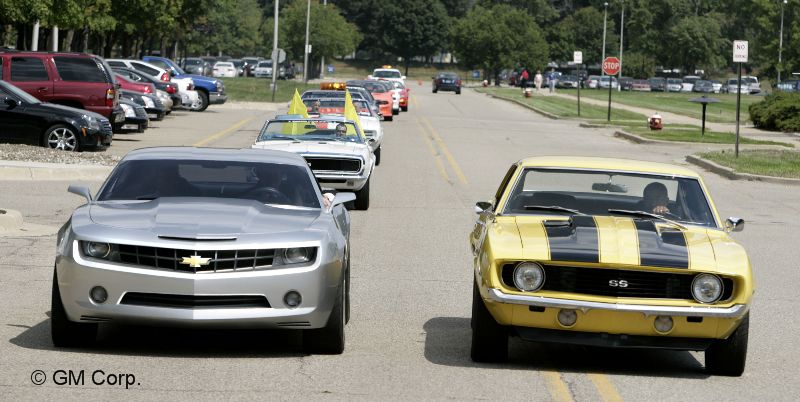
<point>577,250</point>
<point>78,101</point>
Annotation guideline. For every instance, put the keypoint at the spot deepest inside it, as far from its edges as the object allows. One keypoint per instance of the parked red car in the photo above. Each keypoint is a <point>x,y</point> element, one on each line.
<point>125,83</point>
<point>79,80</point>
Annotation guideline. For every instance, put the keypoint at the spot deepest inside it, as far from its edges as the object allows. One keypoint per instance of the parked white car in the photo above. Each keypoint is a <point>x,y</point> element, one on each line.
<point>189,97</point>
<point>752,84</point>
<point>224,69</point>
<point>263,69</point>
<point>688,83</point>
<point>674,85</point>
<point>341,160</point>
<point>732,85</point>
<point>603,82</point>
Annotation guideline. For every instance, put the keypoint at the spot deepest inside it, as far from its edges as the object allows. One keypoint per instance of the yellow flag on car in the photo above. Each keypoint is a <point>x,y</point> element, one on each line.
<point>297,106</point>
<point>350,112</point>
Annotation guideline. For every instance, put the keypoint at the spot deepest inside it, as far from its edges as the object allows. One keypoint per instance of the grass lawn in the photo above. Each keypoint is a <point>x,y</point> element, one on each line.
<point>769,163</point>
<point>251,89</point>
<point>566,108</point>
<point>677,102</point>
<point>692,134</point>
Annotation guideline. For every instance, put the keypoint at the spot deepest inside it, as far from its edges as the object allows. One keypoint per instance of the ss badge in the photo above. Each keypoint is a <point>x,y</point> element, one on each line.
<point>621,283</point>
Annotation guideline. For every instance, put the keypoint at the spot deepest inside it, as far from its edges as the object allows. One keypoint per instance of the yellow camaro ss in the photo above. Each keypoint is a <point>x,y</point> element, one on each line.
<point>609,252</point>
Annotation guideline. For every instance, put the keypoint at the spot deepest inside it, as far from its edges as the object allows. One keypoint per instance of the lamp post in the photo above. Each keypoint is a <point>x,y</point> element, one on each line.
<point>605,18</point>
<point>305,51</point>
<point>621,31</point>
<point>322,62</point>
<point>275,52</point>
<point>780,44</point>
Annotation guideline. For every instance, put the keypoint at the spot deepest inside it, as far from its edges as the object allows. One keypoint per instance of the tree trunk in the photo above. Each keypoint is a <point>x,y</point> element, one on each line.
<point>68,40</point>
<point>407,61</point>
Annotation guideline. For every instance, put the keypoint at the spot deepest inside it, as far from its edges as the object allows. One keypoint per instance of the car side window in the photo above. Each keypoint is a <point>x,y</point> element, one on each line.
<point>116,63</point>
<point>147,70</point>
<point>28,69</point>
<point>80,69</point>
<point>504,183</point>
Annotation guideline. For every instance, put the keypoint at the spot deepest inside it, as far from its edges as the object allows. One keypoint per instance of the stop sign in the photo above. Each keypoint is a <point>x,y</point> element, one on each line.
<point>611,65</point>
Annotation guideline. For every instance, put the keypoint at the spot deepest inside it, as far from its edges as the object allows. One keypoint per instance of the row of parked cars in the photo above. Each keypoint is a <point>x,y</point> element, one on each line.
<point>78,101</point>
<point>244,67</point>
<point>690,83</point>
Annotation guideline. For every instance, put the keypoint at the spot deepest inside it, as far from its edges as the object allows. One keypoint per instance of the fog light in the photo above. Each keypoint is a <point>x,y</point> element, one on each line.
<point>98,294</point>
<point>292,299</point>
<point>567,318</point>
<point>663,324</point>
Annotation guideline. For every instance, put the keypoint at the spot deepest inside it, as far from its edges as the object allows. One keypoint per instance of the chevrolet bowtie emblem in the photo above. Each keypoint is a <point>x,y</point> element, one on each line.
<point>195,261</point>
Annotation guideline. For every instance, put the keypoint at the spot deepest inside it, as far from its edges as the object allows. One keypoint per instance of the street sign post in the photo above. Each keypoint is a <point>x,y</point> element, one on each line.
<point>611,66</point>
<point>739,57</point>
<point>577,59</point>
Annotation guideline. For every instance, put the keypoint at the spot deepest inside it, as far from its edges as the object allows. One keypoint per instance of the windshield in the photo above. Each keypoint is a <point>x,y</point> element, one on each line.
<point>386,74</point>
<point>18,93</point>
<point>267,63</point>
<point>595,192</point>
<point>310,130</point>
<point>373,86</point>
<point>674,81</point>
<point>269,183</point>
<point>193,62</point>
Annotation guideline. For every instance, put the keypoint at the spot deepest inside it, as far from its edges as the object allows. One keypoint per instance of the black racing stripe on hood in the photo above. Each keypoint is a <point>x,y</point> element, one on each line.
<point>665,250</point>
<point>577,241</point>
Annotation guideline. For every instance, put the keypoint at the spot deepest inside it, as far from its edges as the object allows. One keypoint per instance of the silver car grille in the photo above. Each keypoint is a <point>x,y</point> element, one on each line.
<point>175,259</point>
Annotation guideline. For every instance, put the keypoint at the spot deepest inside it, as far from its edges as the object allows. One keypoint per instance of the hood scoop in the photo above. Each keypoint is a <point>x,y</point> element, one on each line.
<point>199,237</point>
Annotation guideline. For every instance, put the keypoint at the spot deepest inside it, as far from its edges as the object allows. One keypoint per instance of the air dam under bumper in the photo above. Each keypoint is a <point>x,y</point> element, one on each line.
<point>317,284</point>
<point>217,98</point>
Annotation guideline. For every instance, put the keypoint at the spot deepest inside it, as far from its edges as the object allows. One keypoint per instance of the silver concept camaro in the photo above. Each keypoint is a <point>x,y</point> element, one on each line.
<point>205,237</point>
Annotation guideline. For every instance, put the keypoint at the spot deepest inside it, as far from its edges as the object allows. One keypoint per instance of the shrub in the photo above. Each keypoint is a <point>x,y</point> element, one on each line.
<point>777,112</point>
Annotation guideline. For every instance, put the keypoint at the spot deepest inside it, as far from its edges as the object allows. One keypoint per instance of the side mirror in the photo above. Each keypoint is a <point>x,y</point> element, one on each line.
<point>403,77</point>
<point>482,206</point>
<point>371,141</point>
<point>80,190</point>
<point>734,224</point>
<point>11,102</point>
<point>341,198</point>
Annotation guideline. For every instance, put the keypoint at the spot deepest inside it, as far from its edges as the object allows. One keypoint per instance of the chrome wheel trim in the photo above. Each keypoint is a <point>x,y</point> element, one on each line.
<point>62,138</point>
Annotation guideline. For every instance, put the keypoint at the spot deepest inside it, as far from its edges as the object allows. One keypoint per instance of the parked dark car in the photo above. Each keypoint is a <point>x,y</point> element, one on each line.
<point>658,84</point>
<point>195,65</point>
<point>79,80</point>
<point>567,81</point>
<point>641,85</point>
<point>703,86</point>
<point>25,119</point>
<point>170,88</point>
<point>135,117</point>
<point>150,102</point>
<point>626,83</point>
<point>446,82</point>
<point>789,86</point>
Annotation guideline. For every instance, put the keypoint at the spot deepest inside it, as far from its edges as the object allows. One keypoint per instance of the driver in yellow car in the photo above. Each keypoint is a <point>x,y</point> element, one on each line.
<point>655,198</point>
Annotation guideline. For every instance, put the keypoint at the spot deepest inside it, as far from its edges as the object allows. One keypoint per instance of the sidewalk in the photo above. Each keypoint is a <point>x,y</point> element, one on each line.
<point>749,131</point>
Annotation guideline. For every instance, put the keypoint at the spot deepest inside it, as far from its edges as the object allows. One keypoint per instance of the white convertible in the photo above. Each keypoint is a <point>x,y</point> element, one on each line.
<point>370,121</point>
<point>337,152</point>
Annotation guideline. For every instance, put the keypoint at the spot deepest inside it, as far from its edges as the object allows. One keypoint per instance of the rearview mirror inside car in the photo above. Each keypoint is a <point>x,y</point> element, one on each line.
<point>610,187</point>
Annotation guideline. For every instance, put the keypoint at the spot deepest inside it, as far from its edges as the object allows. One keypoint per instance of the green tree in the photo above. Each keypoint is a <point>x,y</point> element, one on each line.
<point>697,42</point>
<point>419,28</point>
<point>639,65</point>
<point>583,30</point>
<point>498,37</point>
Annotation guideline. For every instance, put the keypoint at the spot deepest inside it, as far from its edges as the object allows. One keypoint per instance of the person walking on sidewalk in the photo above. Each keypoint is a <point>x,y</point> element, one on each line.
<point>537,80</point>
<point>523,79</point>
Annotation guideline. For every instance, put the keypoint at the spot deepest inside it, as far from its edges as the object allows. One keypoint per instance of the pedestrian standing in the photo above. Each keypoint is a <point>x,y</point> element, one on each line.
<point>523,79</point>
<point>537,80</point>
<point>551,80</point>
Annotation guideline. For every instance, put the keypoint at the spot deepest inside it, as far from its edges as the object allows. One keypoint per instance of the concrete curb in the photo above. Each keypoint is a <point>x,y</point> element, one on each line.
<point>641,140</point>
<point>734,175</point>
<point>13,170</point>
<point>523,104</point>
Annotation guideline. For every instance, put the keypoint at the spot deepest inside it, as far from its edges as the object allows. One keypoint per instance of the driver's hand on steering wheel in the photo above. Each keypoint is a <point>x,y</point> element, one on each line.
<point>661,210</point>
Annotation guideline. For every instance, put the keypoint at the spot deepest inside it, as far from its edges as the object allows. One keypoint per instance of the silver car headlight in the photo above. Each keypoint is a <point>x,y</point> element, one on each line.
<point>96,249</point>
<point>129,112</point>
<point>92,122</point>
<point>295,255</point>
<point>148,102</point>
<point>707,288</point>
<point>529,276</point>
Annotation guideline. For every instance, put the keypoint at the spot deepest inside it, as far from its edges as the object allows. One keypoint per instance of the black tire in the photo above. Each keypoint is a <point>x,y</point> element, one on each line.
<point>203,101</point>
<point>64,332</point>
<point>727,356</point>
<point>404,108</point>
<point>329,340</point>
<point>434,90</point>
<point>489,339</point>
<point>62,137</point>
<point>362,198</point>
<point>388,118</point>
<point>378,156</point>
<point>458,91</point>
<point>395,112</point>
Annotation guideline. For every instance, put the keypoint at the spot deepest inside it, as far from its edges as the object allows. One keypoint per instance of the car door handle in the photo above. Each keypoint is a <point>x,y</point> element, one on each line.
<point>42,89</point>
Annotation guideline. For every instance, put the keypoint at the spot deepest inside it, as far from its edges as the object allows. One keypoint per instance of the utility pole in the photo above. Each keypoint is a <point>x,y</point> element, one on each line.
<point>605,18</point>
<point>275,52</point>
<point>780,44</point>
<point>305,51</point>
<point>322,63</point>
<point>621,32</point>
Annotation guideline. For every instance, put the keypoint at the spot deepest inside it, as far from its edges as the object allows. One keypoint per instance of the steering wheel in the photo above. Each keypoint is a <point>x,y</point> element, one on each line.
<point>269,195</point>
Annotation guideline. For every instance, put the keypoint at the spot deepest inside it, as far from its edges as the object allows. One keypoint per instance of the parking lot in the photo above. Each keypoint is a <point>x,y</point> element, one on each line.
<point>409,335</point>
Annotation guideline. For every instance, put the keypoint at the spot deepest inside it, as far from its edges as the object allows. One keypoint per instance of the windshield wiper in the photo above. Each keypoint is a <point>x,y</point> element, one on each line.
<point>554,208</point>
<point>282,137</point>
<point>643,214</point>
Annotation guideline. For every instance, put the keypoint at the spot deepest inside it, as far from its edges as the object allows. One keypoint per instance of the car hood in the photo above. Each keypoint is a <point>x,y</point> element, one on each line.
<point>196,77</point>
<point>201,218</point>
<point>617,241</point>
<point>65,110</point>
<point>313,147</point>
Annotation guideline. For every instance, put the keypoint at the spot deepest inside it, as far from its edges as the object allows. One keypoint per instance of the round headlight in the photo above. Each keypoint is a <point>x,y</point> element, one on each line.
<point>129,112</point>
<point>529,276</point>
<point>707,288</point>
<point>97,250</point>
<point>296,255</point>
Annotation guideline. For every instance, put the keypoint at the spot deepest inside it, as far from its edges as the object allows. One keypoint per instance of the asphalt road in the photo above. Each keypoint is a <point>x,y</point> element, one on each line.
<point>411,287</point>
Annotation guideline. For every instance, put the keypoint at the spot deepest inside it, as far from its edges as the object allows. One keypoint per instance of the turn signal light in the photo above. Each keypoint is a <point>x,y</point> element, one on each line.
<point>335,86</point>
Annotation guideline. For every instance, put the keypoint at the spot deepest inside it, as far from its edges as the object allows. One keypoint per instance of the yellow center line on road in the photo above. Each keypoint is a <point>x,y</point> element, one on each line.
<point>227,131</point>
<point>557,387</point>
<point>445,151</point>
<point>414,100</point>
<point>606,388</point>
<point>435,155</point>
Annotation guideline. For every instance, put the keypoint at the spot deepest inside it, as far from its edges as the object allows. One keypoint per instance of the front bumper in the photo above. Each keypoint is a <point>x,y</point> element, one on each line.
<point>217,98</point>
<point>342,182</point>
<point>318,285</point>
